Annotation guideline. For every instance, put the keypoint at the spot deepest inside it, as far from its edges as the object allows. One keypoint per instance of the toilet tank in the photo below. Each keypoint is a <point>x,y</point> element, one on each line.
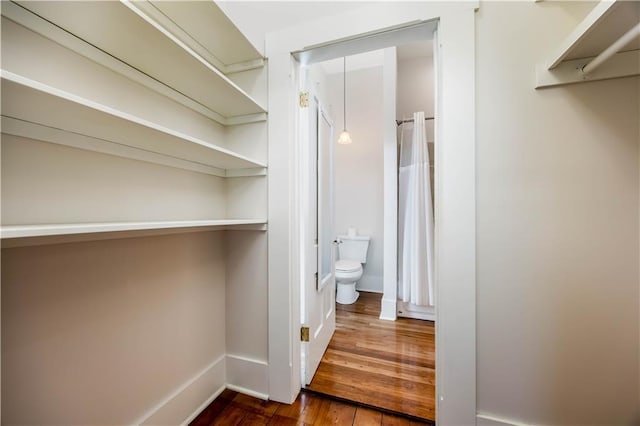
<point>353,248</point>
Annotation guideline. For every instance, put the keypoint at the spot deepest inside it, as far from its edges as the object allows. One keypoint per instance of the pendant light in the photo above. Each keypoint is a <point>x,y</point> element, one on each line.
<point>344,138</point>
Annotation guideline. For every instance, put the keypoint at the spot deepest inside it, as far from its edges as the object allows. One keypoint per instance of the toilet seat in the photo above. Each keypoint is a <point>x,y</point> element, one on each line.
<point>345,265</point>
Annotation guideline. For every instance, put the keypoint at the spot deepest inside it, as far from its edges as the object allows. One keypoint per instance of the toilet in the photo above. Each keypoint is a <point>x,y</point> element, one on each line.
<point>352,253</point>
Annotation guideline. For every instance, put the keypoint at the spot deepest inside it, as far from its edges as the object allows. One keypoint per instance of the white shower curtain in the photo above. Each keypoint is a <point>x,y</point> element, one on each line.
<point>415,217</point>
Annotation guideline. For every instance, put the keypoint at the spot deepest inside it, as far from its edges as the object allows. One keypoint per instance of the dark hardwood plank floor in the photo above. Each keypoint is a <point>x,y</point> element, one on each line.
<point>384,364</point>
<point>233,409</point>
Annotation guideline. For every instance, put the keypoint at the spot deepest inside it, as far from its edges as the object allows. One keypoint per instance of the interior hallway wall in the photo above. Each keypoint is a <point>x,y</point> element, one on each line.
<point>359,166</point>
<point>557,228</point>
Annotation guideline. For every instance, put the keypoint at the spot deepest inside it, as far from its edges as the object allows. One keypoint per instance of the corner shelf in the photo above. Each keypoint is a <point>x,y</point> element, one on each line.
<point>154,56</point>
<point>607,23</point>
<point>35,110</point>
<point>28,235</point>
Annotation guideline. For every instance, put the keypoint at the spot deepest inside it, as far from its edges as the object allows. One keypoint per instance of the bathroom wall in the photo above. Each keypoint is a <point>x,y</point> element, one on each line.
<point>416,80</point>
<point>359,166</point>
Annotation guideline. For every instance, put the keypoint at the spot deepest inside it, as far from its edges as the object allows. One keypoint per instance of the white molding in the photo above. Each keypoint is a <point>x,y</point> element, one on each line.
<point>491,420</point>
<point>602,9</point>
<point>623,64</point>
<point>248,376</point>
<point>455,218</point>
<point>202,406</point>
<point>249,392</point>
<point>388,309</point>
<point>35,23</point>
<point>369,290</point>
<point>390,187</point>
<point>416,312</point>
<point>201,389</point>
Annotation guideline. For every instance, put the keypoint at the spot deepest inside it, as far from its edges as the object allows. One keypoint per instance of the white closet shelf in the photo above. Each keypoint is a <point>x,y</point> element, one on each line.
<point>609,23</point>
<point>12,234</point>
<point>35,110</point>
<point>205,28</point>
<point>22,231</point>
<point>169,60</point>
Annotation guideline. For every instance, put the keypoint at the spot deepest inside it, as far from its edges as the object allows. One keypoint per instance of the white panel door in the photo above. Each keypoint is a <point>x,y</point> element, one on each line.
<point>320,289</point>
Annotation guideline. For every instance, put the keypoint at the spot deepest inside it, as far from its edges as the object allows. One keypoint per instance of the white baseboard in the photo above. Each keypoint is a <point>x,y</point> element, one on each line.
<point>248,376</point>
<point>248,392</point>
<point>491,420</point>
<point>368,290</point>
<point>388,311</point>
<point>371,283</point>
<point>198,391</point>
<point>407,310</point>
<point>202,406</point>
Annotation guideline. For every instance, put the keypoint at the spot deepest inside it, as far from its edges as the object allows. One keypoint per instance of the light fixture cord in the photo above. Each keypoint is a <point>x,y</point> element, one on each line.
<point>344,91</point>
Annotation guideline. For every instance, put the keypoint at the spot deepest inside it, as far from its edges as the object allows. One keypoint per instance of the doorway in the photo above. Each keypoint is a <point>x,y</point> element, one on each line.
<point>455,259</point>
<point>369,360</point>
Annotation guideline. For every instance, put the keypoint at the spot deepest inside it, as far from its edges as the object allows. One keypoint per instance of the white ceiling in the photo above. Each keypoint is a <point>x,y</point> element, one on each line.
<point>257,18</point>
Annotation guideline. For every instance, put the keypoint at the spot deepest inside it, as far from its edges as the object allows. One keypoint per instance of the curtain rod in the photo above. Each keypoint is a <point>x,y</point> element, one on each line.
<point>399,122</point>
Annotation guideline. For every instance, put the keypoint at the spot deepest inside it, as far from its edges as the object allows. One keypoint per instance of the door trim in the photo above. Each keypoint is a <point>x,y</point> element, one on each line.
<point>455,258</point>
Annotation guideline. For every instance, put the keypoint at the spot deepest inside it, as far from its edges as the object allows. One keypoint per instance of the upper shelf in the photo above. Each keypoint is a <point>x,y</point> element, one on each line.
<point>157,41</point>
<point>28,235</point>
<point>205,28</point>
<point>610,33</point>
<point>35,110</point>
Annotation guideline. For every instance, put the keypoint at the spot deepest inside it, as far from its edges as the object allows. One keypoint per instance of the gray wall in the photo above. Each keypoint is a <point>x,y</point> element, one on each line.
<point>557,228</point>
<point>102,331</point>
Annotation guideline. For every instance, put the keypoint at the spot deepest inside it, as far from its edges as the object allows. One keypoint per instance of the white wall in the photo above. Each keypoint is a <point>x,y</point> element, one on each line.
<point>101,332</point>
<point>359,169</point>
<point>557,217</point>
<point>48,183</point>
<point>416,89</point>
<point>416,80</point>
<point>416,92</point>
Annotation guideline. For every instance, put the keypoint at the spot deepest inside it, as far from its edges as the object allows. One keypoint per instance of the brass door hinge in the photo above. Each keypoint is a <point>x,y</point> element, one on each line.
<point>304,334</point>
<point>304,99</point>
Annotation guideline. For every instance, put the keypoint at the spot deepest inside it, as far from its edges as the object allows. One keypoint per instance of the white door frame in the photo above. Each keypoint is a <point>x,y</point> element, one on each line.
<point>455,257</point>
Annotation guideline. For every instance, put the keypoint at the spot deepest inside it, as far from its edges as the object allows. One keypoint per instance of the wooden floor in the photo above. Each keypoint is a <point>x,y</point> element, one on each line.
<point>232,408</point>
<point>386,364</point>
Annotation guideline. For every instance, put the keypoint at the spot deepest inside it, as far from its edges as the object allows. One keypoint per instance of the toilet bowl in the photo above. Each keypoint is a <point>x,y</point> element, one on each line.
<point>348,272</point>
<point>352,254</point>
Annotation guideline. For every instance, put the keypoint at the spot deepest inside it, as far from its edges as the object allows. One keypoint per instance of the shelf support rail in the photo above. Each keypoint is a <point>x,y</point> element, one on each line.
<point>612,50</point>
